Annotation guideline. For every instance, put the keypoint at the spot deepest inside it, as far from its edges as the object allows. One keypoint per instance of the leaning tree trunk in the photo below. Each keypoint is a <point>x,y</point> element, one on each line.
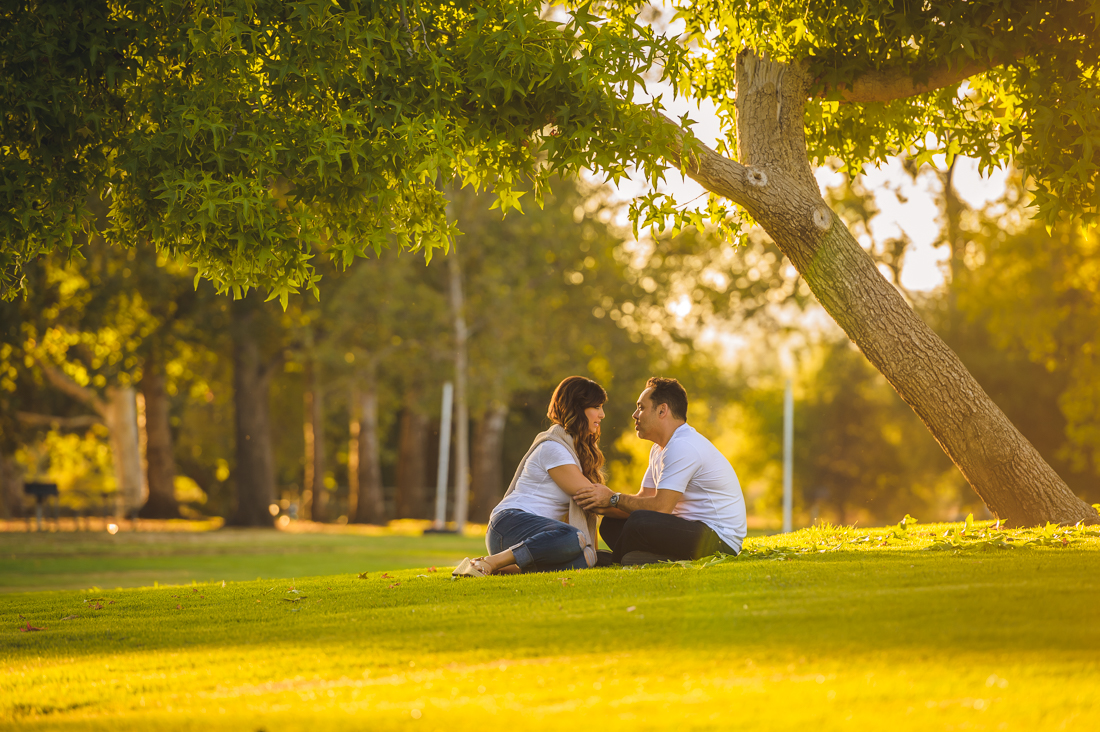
<point>120,416</point>
<point>410,500</point>
<point>772,180</point>
<point>160,462</point>
<point>255,470</point>
<point>488,480</point>
<point>369,508</point>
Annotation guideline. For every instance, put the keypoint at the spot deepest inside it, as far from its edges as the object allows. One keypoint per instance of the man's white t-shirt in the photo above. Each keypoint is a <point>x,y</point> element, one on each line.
<point>535,491</point>
<point>691,465</point>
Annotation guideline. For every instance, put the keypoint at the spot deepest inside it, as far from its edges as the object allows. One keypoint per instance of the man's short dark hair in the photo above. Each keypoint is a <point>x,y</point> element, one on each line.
<point>671,393</point>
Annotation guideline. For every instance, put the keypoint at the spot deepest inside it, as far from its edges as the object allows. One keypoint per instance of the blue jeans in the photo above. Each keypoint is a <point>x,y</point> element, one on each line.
<point>539,544</point>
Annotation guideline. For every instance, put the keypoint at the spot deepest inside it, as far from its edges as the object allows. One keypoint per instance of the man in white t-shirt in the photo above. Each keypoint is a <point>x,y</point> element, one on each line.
<point>690,504</point>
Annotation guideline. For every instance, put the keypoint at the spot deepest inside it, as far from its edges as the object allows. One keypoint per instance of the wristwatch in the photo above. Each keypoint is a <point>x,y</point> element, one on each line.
<point>615,499</point>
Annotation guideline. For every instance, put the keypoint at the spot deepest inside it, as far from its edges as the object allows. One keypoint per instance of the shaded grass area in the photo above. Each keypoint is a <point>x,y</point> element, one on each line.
<point>828,629</point>
<point>80,560</point>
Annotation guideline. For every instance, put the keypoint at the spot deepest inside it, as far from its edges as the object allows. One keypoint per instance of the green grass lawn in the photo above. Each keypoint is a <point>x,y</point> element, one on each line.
<point>826,629</point>
<point>81,560</point>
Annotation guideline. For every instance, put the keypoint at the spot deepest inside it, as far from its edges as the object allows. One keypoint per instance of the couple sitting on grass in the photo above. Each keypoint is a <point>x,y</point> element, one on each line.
<point>689,506</point>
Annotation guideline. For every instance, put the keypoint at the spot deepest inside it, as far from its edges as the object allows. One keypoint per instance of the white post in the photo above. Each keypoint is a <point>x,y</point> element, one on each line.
<point>444,458</point>
<point>788,456</point>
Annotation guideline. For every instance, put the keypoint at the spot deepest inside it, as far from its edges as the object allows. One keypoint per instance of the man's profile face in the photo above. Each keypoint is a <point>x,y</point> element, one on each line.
<point>645,416</point>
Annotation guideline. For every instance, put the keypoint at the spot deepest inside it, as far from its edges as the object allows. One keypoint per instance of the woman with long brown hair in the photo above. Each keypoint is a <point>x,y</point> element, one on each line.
<point>538,526</point>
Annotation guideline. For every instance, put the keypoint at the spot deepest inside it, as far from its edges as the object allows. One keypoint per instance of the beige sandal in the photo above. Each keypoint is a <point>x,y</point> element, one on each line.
<point>472,568</point>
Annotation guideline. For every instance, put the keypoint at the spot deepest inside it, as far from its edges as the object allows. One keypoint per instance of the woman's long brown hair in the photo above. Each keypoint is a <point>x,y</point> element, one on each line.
<point>574,395</point>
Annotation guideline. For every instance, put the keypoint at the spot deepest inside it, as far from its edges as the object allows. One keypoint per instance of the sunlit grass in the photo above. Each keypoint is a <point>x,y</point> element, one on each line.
<point>80,560</point>
<point>818,630</point>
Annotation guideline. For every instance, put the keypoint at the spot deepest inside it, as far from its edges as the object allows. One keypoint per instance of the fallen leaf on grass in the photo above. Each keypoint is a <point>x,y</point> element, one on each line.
<point>565,582</point>
<point>363,575</point>
<point>29,628</point>
<point>195,590</point>
<point>432,569</point>
<point>386,575</point>
<point>179,607</point>
<point>395,584</point>
<point>110,602</point>
<point>70,617</point>
<point>295,599</point>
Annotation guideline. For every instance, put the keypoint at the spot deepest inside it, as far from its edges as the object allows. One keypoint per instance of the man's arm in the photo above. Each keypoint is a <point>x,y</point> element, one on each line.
<point>618,513</point>
<point>648,499</point>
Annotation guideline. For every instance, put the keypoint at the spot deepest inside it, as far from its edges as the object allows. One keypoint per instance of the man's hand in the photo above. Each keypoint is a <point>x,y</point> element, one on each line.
<point>593,498</point>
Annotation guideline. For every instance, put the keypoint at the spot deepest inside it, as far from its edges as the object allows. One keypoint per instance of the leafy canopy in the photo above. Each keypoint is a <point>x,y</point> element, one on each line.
<point>1031,95</point>
<point>245,136</point>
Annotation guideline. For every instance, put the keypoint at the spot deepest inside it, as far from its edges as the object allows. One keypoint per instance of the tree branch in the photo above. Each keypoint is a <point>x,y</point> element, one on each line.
<point>888,84</point>
<point>64,383</point>
<point>717,173</point>
<point>48,420</point>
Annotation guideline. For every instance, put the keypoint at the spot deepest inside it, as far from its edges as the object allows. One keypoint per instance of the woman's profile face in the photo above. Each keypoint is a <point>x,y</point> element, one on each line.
<point>594,416</point>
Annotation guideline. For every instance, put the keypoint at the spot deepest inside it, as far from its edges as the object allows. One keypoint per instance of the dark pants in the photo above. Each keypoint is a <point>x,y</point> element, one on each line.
<point>539,544</point>
<point>660,533</point>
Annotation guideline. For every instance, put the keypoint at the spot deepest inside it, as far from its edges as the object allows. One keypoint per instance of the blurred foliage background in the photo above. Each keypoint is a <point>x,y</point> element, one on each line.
<point>344,391</point>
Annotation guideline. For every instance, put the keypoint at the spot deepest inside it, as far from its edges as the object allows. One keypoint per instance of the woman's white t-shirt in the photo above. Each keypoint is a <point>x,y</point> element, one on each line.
<point>535,491</point>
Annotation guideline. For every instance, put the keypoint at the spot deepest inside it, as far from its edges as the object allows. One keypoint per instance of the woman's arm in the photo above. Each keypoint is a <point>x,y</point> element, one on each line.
<point>569,478</point>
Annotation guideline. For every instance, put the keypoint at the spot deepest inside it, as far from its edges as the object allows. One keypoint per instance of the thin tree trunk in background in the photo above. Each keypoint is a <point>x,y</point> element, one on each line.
<point>159,458</point>
<point>354,419</point>
<point>955,238</point>
<point>412,463</point>
<point>255,469</point>
<point>488,476</point>
<point>462,411</point>
<point>11,487</point>
<point>370,508</point>
<point>315,441</point>
<point>121,418</point>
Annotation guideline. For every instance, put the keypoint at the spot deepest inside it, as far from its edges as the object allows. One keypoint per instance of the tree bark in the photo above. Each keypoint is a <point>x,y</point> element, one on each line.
<point>774,183</point>
<point>370,507</point>
<point>488,476</point>
<point>121,419</point>
<point>315,441</point>
<point>255,469</point>
<point>11,488</point>
<point>159,457</point>
<point>412,463</point>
